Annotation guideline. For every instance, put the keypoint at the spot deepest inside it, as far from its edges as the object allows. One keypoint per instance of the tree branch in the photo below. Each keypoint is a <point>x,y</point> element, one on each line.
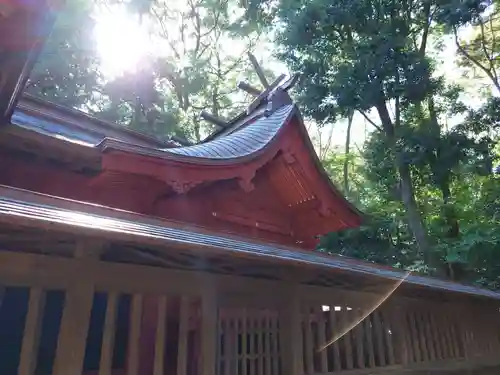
<point>370,121</point>
<point>475,61</point>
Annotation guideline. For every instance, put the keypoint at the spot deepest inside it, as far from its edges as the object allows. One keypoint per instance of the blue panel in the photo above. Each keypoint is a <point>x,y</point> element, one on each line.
<point>54,129</point>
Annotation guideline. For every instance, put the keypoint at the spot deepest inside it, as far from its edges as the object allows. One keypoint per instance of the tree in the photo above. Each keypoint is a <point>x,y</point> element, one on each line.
<point>479,53</point>
<point>67,71</point>
<point>193,70</point>
<point>197,71</point>
<point>356,56</point>
<point>360,55</point>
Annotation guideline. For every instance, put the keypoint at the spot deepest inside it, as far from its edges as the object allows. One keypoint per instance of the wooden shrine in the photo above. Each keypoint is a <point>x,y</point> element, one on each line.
<point>122,254</point>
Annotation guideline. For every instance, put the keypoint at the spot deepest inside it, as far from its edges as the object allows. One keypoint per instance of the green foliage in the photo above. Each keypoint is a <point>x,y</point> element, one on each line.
<point>421,182</point>
<point>426,187</point>
<point>166,93</point>
<point>67,69</point>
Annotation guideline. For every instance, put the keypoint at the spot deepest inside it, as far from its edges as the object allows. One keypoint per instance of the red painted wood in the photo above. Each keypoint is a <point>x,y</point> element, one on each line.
<point>279,196</point>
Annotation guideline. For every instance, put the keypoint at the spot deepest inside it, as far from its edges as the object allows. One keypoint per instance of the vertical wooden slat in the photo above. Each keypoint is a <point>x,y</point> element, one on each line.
<point>309,346</point>
<point>108,336</point>
<point>291,333</point>
<point>414,336</point>
<point>453,334</point>
<point>32,330</point>
<point>262,343</point>
<point>397,318</point>
<point>421,335</point>
<point>334,331</point>
<point>275,351</point>
<point>321,326</point>
<point>226,357</point>
<point>183,336</point>
<point>442,337</point>
<point>389,336</point>
<point>359,332</point>
<point>219,345</point>
<point>424,318</point>
<point>134,335</point>
<point>74,327</point>
<point>445,325</point>
<point>234,342</point>
<point>347,339</point>
<point>379,337</point>
<point>253,343</point>
<point>161,326</point>
<point>268,338</point>
<point>369,340</point>
<point>244,342</point>
<point>438,347</point>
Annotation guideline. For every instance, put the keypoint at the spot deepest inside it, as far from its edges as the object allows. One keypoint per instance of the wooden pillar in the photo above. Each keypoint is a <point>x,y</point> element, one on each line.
<point>291,333</point>
<point>209,323</point>
<point>32,330</point>
<point>76,314</point>
<point>397,316</point>
<point>149,323</point>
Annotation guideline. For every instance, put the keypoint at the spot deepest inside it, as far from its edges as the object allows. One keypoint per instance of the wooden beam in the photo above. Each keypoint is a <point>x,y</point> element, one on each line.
<point>258,70</point>
<point>249,89</point>
<point>181,141</point>
<point>217,121</point>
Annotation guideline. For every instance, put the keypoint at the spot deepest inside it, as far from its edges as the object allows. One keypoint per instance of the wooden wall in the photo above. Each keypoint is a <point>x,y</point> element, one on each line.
<point>80,315</point>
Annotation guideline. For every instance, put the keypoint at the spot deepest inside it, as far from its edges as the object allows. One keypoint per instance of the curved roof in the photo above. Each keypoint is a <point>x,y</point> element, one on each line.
<point>241,143</point>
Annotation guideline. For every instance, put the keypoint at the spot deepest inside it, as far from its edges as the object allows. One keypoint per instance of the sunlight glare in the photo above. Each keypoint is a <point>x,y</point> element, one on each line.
<point>121,41</point>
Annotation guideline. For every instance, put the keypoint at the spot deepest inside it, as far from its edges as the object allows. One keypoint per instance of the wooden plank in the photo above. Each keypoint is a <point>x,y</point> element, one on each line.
<point>32,330</point>
<point>438,348</point>
<point>379,337</point>
<point>291,333</point>
<point>397,317</point>
<point>253,343</point>
<point>209,321</point>
<point>389,333</point>
<point>414,335</point>
<point>73,332</point>
<point>275,351</point>
<point>261,324</point>
<point>360,340</point>
<point>237,336</point>
<point>108,336</point>
<point>268,342</point>
<point>445,324</point>
<point>421,335</point>
<point>454,337</point>
<point>334,331</point>
<point>309,343</point>
<point>220,343</point>
<point>48,272</point>
<point>347,339</point>
<point>183,337</point>
<point>134,335</point>
<point>321,326</point>
<point>428,334</point>
<point>369,340</point>
<point>441,332</point>
<point>160,336</point>
<point>244,341</point>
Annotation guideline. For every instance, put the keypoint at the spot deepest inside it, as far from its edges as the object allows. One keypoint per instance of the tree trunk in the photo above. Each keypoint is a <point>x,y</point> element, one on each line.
<point>413,214</point>
<point>347,153</point>
<point>406,191</point>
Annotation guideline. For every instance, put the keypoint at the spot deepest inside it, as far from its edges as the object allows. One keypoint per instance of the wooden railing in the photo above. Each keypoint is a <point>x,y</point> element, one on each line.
<point>63,316</point>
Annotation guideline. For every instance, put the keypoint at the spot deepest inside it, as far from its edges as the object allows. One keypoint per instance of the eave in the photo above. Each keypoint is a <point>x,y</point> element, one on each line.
<point>30,210</point>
